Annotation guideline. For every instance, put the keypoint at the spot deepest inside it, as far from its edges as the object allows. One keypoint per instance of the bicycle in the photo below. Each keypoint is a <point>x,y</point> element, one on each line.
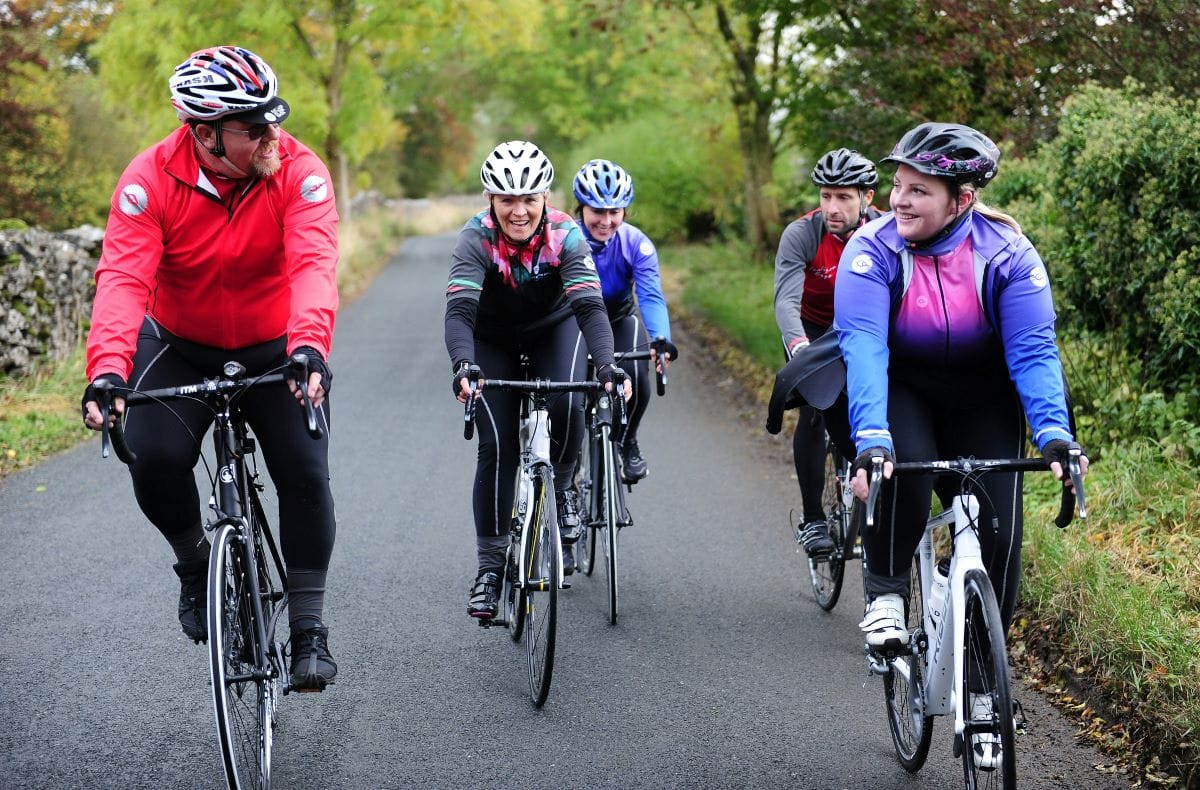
<point>956,657</point>
<point>247,582</point>
<point>599,477</point>
<point>843,516</point>
<point>533,568</point>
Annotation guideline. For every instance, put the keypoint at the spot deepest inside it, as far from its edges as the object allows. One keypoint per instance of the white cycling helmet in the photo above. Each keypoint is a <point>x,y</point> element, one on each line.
<point>224,82</point>
<point>516,168</point>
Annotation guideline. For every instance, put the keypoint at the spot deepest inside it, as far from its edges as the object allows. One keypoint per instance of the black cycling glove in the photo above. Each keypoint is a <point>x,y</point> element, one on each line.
<point>667,348</point>
<point>119,385</point>
<point>1059,450</point>
<point>465,370</point>
<point>863,461</point>
<point>607,374</point>
<point>317,364</point>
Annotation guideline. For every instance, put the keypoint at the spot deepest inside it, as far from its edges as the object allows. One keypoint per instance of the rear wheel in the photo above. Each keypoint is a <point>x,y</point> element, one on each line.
<point>989,740</point>
<point>543,572</point>
<point>825,574</point>
<point>903,689</point>
<point>242,700</point>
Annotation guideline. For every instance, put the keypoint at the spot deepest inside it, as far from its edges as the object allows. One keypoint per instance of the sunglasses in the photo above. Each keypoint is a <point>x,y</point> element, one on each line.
<point>254,132</point>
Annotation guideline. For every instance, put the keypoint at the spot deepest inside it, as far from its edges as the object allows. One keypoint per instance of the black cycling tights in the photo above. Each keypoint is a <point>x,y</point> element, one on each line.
<point>630,335</point>
<point>168,446</point>
<point>557,353</point>
<point>935,415</point>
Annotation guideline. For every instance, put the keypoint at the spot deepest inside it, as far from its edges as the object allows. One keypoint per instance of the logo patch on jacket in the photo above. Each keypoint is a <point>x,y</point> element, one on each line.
<point>861,264</point>
<point>1038,277</point>
<point>314,189</point>
<point>133,199</point>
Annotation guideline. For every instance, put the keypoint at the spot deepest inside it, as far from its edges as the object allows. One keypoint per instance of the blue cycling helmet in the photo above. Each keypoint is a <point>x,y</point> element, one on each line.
<point>603,184</point>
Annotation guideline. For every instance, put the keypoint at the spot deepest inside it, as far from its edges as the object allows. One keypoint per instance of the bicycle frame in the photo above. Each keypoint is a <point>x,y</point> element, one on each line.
<point>535,454</point>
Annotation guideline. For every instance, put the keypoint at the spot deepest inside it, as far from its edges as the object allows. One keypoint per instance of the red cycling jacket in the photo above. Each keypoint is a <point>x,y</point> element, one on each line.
<point>228,273</point>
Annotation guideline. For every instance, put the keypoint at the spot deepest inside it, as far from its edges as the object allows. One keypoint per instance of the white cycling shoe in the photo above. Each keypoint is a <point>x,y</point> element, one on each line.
<point>884,622</point>
<point>986,745</point>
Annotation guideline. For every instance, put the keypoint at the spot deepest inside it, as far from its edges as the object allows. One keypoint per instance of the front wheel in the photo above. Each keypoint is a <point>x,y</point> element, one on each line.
<point>543,576</point>
<point>242,699</point>
<point>989,739</point>
<point>904,689</point>
<point>610,528</point>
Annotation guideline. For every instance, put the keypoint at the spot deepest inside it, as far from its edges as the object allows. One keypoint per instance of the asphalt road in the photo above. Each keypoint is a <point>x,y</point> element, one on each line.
<point>722,672</point>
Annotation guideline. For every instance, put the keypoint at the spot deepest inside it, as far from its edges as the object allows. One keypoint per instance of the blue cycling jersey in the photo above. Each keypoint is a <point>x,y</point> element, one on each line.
<point>980,292</point>
<point>628,260</point>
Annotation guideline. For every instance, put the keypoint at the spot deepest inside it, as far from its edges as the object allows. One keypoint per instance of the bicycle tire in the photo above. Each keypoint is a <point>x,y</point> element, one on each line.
<point>610,502</point>
<point>543,568</point>
<point>241,702</point>
<point>985,659</point>
<point>904,689</point>
<point>826,574</point>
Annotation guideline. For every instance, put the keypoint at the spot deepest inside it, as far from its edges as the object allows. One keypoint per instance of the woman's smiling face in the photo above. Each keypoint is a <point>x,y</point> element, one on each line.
<point>518,215</point>
<point>922,204</point>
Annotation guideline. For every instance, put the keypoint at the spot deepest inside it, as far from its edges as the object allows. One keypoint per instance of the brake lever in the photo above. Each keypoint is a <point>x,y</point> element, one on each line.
<point>298,367</point>
<point>873,492</point>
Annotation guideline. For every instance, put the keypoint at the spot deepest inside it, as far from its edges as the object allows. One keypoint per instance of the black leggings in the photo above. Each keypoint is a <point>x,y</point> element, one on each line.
<point>168,443</point>
<point>557,353</point>
<point>808,443</point>
<point>629,334</point>
<point>933,415</point>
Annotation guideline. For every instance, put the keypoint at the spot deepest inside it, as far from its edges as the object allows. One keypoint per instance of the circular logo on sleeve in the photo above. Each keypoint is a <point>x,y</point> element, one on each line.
<point>646,247</point>
<point>314,189</point>
<point>861,264</point>
<point>1038,277</point>
<point>133,199</point>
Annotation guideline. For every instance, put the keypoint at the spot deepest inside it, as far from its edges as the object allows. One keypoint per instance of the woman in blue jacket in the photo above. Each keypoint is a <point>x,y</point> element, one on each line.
<point>626,261</point>
<point>946,322</point>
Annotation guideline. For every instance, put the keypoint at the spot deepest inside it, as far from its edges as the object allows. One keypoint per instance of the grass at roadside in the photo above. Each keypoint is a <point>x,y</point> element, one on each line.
<point>1110,610</point>
<point>39,414</point>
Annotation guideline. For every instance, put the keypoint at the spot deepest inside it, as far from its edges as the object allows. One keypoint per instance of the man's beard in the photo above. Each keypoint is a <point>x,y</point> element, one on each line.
<point>265,161</point>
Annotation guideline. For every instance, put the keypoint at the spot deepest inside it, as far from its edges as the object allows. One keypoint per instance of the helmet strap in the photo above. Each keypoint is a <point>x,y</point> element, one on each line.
<point>218,149</point>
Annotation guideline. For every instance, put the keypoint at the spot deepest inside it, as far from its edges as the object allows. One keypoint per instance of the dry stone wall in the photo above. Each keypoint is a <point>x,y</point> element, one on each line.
<point>46,290</point>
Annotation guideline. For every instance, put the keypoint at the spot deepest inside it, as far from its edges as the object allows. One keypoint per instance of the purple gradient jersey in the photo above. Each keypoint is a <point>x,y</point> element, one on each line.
<point>979,293</point>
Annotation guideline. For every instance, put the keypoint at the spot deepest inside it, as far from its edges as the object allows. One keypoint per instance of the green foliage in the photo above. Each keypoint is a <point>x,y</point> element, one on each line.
<point>726,284</point>
<point>684,171</point>
<point>1126,175</point>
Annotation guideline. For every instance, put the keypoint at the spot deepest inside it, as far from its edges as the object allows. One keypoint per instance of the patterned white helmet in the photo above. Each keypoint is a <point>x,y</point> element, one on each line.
<point>220,82</point>
<point>516,168</point>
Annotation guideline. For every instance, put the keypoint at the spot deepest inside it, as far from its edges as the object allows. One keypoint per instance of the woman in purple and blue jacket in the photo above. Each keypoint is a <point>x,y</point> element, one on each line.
<point>946,322</point>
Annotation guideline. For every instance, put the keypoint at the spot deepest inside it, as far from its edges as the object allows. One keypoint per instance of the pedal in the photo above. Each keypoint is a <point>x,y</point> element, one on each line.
<point>1020,723</point>
<point>492,622</point>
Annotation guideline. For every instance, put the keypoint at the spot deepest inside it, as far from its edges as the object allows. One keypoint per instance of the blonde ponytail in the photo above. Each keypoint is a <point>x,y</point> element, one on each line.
<point>993,214</point>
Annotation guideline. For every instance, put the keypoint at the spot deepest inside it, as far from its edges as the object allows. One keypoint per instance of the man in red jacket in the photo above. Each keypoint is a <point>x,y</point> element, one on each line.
<point>222,245</point>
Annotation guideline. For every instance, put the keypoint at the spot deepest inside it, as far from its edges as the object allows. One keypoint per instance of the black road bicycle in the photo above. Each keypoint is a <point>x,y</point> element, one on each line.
<point>247,583</point>
<point>599,478</point>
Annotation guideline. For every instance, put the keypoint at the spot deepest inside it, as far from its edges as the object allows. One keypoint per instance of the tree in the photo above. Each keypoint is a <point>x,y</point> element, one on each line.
<point>765,59</point>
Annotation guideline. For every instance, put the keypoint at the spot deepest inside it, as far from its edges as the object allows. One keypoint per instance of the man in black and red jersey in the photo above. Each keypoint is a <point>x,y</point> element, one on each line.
<point>805,270</point>
<point>222,245</point>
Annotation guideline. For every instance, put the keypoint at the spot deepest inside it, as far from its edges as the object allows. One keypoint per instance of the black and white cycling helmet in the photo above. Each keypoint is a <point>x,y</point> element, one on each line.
<point>222,82</point>
<point>948,150</point>
<point>842,167</point>
<point>516,168</point>
<point>603,184</point>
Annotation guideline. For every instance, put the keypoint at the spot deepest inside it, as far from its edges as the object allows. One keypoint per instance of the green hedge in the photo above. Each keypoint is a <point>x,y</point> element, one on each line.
<point>1112,203</point>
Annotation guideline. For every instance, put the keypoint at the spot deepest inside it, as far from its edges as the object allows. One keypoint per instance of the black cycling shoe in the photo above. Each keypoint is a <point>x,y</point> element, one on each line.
<point>568,560</point>
<point>312,665</point>
<point>634,468</point>
<point>814,537</point>
<point>570,528</point>
<point>485,595</point>
<point>193,599</point>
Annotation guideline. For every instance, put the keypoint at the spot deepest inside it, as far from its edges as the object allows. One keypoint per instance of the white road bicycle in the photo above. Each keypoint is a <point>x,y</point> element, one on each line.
<point>533,570</point>
<point>956,663</point>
